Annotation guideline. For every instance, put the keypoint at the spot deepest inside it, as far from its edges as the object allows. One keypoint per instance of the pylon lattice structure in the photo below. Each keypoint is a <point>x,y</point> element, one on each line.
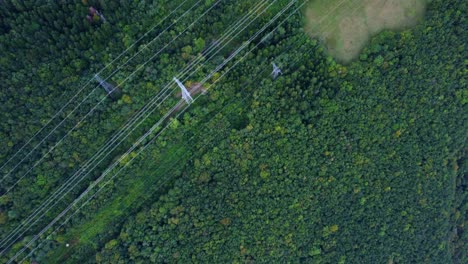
<point>185,94</point>
<point>107,86</point>
<point>276,71</point>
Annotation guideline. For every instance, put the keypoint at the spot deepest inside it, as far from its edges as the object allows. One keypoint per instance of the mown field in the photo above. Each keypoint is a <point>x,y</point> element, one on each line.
<point>345,26</point>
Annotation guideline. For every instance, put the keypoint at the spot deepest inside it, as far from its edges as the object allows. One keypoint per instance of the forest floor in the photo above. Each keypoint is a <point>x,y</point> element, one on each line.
<point>345,26</point>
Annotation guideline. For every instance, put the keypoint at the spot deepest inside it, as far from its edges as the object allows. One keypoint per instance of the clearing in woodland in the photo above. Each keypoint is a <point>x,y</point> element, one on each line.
<point>345,26</point>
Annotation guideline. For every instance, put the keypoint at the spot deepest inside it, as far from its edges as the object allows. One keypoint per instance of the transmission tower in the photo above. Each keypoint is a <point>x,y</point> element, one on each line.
<point>107,86</point>
<point>185,94</point>
<point>101,16</point>
<point>276,71</point>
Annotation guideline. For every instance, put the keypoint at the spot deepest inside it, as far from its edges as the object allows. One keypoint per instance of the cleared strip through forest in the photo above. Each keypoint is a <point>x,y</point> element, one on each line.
<point>4,240</point>
<point>244,27</point>
<point>86,169</point>
<point>175,107</point>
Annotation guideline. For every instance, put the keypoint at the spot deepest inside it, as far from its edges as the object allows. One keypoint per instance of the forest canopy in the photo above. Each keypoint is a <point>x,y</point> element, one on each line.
<point>363,162</point>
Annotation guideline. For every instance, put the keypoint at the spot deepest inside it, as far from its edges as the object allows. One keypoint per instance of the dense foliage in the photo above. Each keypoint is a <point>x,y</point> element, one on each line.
<point>329,163</point>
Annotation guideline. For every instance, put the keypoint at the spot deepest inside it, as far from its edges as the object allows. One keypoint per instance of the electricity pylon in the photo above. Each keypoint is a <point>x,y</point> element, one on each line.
<point>185,94</point>
<point>276,71</point>
<point>107,86</point>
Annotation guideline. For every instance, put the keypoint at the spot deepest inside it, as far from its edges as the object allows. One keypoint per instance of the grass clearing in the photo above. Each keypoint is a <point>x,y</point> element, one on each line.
<point>116,207</point>
<point>345,26</point>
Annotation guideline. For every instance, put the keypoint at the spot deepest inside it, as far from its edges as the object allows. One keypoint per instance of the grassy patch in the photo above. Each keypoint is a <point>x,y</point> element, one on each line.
<point>84,235</point>
<point>345,26</point>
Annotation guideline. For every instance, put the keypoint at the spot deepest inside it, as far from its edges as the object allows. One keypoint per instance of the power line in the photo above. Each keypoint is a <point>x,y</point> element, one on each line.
<point>205,80</point>
<point>77,93</point>
<point>105,150</point>
<point>150,131</point>
<point>146,63</point>
<point>64,186</point>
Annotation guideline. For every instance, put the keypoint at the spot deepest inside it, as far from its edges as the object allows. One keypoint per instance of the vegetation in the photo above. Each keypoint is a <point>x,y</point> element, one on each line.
<point>329,163</point>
